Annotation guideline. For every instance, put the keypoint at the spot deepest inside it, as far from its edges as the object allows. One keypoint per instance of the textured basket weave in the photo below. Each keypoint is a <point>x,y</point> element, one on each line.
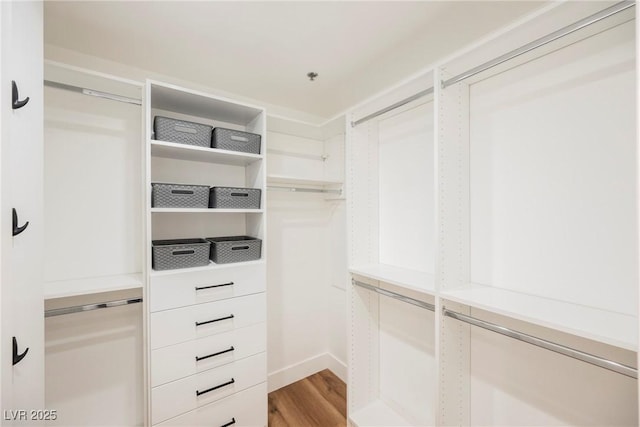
<point>226,250</point>
<point>234,198</point>
<point>235,140</point>
<point>182,253</point>
<point>182,132</point>
<point>179,196</point>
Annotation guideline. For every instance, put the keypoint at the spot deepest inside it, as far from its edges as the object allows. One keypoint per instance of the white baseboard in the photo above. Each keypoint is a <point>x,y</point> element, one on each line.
<point>292,373</point>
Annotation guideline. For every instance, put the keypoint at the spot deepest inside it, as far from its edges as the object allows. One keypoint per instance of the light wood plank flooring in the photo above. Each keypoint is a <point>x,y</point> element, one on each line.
<point>319,400</point>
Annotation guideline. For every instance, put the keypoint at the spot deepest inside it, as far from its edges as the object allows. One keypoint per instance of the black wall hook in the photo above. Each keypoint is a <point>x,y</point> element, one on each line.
<point>16,229</point>
<point>15,104</point>
<point>18,357</point>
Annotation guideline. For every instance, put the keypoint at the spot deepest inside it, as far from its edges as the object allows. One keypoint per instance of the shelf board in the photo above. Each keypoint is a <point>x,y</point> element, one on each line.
<point>171,150</point>
<point>211,266</point>
<point>410,279</point>
<point>211,210</point>
<point>91,285</point>
<point>377,413</point>
<point>620,330</point>
<point>290,180</point>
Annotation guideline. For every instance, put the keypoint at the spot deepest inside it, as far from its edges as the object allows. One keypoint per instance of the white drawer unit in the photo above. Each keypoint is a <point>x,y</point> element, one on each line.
<point>188,358</point>
<point>184,324</point>
<point>187,394</point>
<point>180,290</point>
<point>246,408</point>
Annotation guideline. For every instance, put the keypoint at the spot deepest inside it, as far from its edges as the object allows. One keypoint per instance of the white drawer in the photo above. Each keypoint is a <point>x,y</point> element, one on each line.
<point>187,394</point>
<point>247,408</point>
<point>188,358</point>
<point>184,324</point>
<point>183,289</point>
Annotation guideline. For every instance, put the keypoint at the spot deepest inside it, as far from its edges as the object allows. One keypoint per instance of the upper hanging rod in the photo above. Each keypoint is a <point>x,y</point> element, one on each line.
<point>596,17</point>
<point>393,106</point>
<point>548,345</point>
<point>92,92</point>
<point>303,190</point>
<point>395,295</point>
<point>90,307</point>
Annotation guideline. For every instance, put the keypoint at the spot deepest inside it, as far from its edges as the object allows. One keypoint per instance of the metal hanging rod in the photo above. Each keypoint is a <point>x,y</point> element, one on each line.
<point>393,106</point>
<point>303,190</point>
<point>395,295</point>
<point>91,92</point>
<point>596,17</point>
<point>542,343</point>
<point>90,307</point>
<point>301,155</point>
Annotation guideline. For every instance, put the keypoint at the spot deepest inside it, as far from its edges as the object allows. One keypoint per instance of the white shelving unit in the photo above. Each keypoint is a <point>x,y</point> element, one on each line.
<point>227,296</point>
<point>92,285</point>
<point>533,224</point>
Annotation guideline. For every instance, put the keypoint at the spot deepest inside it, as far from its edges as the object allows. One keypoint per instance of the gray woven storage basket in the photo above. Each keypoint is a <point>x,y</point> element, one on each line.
<point>179,196</point>
<point>234,198</point>
<point>182,132</point>
<point>180,253</point>
<point>235,249</point>
<point>235,140</point>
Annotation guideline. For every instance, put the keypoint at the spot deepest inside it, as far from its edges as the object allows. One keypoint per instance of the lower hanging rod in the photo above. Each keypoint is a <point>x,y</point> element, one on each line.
<point>90,307</point>
<point>303,190</point>
<point>395,295</point>
<point>547,345</point>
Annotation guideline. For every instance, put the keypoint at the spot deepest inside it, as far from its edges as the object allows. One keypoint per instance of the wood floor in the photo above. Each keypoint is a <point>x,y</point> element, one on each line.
<point>319,400</point>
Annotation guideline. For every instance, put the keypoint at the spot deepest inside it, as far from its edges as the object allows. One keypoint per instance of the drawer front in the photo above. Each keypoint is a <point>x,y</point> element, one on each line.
<point>187,394</point>
<point>188,358</point>
<point>181,290</point>
<point>197,321</point>
<point>247,408</point>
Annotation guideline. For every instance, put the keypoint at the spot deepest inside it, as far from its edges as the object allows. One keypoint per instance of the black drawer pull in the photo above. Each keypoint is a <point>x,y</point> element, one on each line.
<point>200,393</point>
<point>215,320</point>
<point>240,248</point>
<point>240,194</point>
<point>15,103</point>
<point>199,288</point>
<point>185,252</point>
<point>181,191</point>
<point>230,423</point>
<point>230,349</point>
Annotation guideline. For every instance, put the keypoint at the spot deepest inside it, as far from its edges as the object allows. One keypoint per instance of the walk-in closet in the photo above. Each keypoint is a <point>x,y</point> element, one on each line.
<point>319,213</point>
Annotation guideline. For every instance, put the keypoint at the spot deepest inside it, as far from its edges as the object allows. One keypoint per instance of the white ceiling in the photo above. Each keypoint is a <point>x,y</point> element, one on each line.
<point>263,50</point>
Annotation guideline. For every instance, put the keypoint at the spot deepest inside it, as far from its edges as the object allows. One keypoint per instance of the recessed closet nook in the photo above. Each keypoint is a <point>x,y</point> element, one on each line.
<point>458,244</point>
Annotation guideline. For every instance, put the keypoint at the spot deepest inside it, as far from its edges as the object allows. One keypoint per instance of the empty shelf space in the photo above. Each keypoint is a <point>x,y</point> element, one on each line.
<point>91,285</point>
<point>377,413</point>
<point>211,266</point>
<point>171,150</point>
<point>283,179</point>
<point>203,210</point>
<point>411,279</point>
<point>617,329</point>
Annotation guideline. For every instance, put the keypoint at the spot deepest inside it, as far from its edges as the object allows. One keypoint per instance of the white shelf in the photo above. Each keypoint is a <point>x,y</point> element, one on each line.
<point>211,266</point>
<point>171,150</point>
<point>290,180</point>
<point>608,327</point>
<point>410,279</point>
<point>91,285</point>
<point>195,103</point>
<point>377,413</point>
<point>211,210</point>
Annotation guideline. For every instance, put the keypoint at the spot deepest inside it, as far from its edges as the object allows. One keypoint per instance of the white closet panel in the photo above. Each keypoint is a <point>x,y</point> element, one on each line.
<point>92,187</point>
<point>406,186</point>
<point>553,175</point>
